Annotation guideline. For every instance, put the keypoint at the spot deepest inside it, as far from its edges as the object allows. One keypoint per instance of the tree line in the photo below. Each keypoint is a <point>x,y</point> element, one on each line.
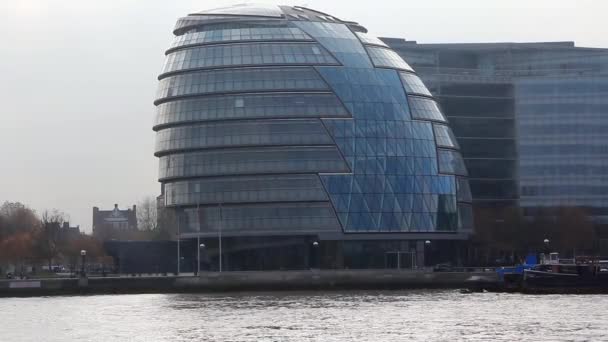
<point>29,239</point>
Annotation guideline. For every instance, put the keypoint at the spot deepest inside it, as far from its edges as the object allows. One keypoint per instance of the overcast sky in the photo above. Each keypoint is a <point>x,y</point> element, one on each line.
<point>78,79</point>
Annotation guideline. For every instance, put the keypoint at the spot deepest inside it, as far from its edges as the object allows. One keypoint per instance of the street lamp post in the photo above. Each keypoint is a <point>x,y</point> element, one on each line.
<point>545,255</point>
<point>198,238</point>
<point>83,255</point>
<point>427,246</point>
<point>315,246</point>
<point>178,240</point>
<point>201,246</point>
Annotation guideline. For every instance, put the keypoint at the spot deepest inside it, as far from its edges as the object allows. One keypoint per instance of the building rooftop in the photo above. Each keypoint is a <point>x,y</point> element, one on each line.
<point>559,45</point>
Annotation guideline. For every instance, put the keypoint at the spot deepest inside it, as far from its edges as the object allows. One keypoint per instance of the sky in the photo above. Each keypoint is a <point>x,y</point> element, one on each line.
<point>78,78</point>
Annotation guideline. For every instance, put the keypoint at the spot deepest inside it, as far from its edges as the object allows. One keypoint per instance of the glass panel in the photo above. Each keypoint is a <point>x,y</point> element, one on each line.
<point>413,84</point>
<point>252,161</point>
<point>451,162</point>
<point>447,213</point>
<point>423,108</point>
<point>185,23</point>
<point>250,106</point>
<point>246,54</point>
<point>339,40</point>
<point>279,188</point>
<point>257,9</point>
<point>241,32</point>
<point>261,219</point>
<point>367,39</point>
<point>444,136</point>
<point>243,133</point>
<point>463,190</point>
<point>368,93</point>
<point>240,80</point>
<point>387,58</point>
<point>465,216</point>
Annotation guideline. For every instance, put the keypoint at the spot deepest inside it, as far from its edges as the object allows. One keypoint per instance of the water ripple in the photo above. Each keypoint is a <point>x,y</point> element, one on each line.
<point>327,317</point>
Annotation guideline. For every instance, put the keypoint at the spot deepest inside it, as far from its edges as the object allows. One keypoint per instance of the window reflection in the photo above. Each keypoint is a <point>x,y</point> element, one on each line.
<point>246,54</point>
<point>250,133</point>
<point>239,80</point>
<point>252,161</point>
<point>250,106</point>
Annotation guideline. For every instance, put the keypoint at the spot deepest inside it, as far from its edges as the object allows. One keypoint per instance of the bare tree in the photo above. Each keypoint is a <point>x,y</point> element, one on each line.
<point>166,224</point>
<point>147,215</point>
<point>48,236</point>
<point>15,218</point>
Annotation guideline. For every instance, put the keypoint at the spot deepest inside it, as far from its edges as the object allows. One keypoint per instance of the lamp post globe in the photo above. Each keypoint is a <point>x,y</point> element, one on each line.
<point>83,254</point>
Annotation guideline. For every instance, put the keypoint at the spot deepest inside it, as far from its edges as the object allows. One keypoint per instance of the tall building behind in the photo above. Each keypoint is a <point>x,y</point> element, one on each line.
<point>531,119</point>
<point>283,128</point>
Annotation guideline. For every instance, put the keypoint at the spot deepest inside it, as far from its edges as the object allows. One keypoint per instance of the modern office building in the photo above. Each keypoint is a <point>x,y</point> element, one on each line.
<point>531,120</point>
<point>289,138</point>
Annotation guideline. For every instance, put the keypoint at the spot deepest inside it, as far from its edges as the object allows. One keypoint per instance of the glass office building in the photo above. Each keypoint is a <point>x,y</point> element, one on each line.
<point>562,124</point>
<point>292,139</point>
<point>531,120</point>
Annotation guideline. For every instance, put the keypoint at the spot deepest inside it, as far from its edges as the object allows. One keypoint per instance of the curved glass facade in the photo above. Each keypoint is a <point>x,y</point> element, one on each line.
<point>242,133</point>
<point>238,33</point>
<point>315,129</point>
<point>245,80</point>
<point>249,106</point>
<point>208,57</point>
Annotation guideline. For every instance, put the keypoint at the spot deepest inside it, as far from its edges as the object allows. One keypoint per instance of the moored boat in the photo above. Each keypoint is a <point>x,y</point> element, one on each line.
<point>590,276</point>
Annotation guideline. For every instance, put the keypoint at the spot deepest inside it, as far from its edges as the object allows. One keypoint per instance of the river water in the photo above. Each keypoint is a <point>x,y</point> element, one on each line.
<point>338,316</point>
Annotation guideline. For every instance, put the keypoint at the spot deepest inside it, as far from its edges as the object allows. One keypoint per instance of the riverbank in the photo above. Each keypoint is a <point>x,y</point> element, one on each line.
<point>253,281</point>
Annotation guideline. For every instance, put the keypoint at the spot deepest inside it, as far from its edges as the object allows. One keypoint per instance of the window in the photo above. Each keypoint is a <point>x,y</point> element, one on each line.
<point>413,84</point>
<point>444,136</point>
<point>242,133</point>
<point>269,160</point>
<point>387,58</point>
<point>239,80</point>
<point>234,32</point>
<point>451,162</point>
<point>226,107</point>
<point>243,189</point>
<point>214,56</point>
<point>367,39</point>
<point>423,108</point>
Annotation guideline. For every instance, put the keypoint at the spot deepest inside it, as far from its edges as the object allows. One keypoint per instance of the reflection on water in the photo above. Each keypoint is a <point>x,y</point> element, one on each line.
<point>345,316</point>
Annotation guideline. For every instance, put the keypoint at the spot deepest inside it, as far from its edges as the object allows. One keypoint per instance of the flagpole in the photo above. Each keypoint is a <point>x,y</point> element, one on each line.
<point>220,237</point>
<point>178,239</point>
<point>198,239</point>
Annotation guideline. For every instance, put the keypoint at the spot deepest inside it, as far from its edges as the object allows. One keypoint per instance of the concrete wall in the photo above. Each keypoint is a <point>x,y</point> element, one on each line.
<point>253,281</point>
